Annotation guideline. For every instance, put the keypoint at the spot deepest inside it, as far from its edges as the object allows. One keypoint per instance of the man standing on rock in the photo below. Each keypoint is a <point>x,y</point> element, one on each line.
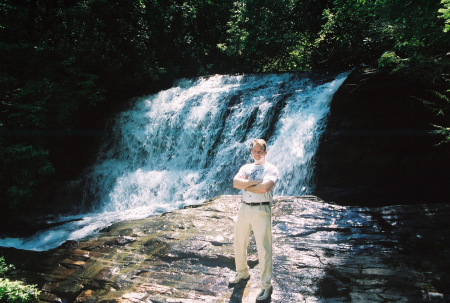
<point>257,180</point>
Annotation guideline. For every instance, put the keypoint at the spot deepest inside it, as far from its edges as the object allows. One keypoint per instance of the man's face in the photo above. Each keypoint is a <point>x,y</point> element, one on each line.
<point>259,154</point>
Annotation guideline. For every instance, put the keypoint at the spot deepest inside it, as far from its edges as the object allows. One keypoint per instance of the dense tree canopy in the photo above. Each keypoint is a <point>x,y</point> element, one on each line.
<point>65,63</point>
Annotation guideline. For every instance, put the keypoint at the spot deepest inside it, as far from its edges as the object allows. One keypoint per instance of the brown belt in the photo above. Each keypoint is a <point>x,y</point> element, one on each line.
<point>256,203</point>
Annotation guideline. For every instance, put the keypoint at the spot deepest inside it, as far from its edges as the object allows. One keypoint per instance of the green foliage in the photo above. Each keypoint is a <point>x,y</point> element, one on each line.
<point>445,14</point>
<point>15,291</point>
<point>25,168</point>
<point>441,105</point>
<point>348,35</point>
<point>398,32</point>
<point>444,132</point>
<point>237,31</point>
<point>4,267</point>
<point>390,59</point>
<point>270,36</point>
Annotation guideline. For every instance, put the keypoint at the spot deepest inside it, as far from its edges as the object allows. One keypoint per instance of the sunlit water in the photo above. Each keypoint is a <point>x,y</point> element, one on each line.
<point>183,146</point>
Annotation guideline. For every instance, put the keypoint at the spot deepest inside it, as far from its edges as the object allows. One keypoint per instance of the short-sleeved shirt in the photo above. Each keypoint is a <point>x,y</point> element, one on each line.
<point>263,172</point>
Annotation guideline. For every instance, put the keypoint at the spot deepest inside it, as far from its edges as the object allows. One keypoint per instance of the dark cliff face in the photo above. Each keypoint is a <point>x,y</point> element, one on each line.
<point>377,148</point>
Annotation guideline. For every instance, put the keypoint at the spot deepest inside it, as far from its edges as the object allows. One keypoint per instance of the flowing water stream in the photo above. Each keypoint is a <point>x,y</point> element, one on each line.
<point>183,146</point>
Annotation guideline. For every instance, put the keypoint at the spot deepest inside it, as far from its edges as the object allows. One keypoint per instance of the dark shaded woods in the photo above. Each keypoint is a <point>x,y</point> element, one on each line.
<point>66,66</point>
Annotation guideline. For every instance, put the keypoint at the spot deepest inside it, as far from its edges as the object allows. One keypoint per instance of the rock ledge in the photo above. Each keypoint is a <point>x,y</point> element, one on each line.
<point>322,253</point>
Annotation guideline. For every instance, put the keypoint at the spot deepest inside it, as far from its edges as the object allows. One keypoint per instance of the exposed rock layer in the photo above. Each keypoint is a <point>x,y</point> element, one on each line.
<point>322,253</point>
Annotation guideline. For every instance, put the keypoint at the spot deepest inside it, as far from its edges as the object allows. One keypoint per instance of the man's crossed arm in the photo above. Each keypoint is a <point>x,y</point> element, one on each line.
<point>254,186</point>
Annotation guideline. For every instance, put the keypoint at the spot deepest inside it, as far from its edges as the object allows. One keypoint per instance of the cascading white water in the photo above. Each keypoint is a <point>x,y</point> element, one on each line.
<point>184,145</point>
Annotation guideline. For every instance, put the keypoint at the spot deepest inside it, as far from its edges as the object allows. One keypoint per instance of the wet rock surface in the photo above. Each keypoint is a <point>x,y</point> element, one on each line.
<point>322,253</point>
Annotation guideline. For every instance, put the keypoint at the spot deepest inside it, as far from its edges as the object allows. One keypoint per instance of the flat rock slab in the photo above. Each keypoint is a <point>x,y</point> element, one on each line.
<point>322,253</point>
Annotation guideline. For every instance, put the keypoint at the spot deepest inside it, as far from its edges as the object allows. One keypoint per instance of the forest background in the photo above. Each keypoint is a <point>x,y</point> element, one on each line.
<point>67,65</point>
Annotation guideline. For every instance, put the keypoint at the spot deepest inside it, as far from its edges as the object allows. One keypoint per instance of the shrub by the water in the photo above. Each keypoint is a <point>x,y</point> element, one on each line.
<point>15,291</point>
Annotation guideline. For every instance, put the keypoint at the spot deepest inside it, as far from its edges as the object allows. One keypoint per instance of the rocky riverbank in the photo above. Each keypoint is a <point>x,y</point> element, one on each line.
<point>322,253</point>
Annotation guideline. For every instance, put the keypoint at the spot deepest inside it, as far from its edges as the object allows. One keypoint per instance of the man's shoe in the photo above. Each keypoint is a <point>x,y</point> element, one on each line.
<point>239,278</point>
<point>265,294</point>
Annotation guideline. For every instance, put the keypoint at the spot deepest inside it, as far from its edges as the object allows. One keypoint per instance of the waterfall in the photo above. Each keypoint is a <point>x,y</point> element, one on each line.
<point>183,146</point>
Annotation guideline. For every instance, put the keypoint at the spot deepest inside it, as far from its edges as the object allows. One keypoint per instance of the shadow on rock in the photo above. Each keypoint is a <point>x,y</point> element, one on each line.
<point>238,291</point>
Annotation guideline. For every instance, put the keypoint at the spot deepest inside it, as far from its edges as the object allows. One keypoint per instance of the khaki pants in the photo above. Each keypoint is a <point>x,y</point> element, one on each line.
<point>258,218</point>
